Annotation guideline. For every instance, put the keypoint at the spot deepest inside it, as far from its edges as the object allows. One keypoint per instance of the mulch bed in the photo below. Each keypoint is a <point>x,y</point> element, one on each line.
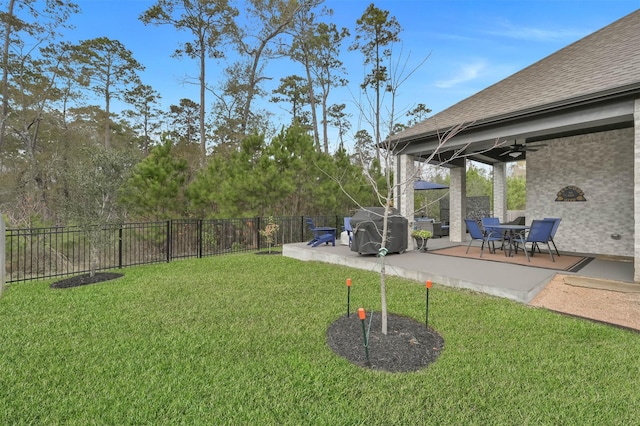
<point>408,345</point>
<point>85,279</point>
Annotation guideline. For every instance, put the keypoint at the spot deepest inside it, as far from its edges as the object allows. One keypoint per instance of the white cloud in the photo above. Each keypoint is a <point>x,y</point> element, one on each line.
<point>507,29</point>
<point>466,73</point>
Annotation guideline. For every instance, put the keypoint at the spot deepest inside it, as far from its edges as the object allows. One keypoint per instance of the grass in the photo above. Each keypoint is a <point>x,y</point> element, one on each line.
<point>241,339</point>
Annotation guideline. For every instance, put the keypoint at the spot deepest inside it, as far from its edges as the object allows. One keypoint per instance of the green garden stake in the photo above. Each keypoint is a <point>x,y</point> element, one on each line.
<point>348,296</point>
<point>426,317</point>
<point>362,316</point>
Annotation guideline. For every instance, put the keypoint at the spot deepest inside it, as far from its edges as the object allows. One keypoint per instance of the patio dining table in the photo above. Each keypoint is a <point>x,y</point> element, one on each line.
<point>509,230</point>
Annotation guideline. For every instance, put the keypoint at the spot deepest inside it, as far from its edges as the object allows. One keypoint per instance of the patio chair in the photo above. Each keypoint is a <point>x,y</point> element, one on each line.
<point>539,233</point>
<point>487,223</point>
<point>520,220</point>
<point>477,234</point>
<point>553,231</point>
<point>348,228</point>
<point>320,235</point>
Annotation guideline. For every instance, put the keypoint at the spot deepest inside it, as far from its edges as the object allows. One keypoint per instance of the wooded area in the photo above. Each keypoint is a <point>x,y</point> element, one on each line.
<point>67,158</point>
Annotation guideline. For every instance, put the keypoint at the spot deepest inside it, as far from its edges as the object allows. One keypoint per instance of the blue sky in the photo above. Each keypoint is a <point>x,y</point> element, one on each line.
<point>472,43</point>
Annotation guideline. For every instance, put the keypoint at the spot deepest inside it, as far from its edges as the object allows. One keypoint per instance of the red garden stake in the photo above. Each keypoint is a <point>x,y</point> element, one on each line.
<point>348,295</point>
<point>362,316</point>
<point>426,318</point>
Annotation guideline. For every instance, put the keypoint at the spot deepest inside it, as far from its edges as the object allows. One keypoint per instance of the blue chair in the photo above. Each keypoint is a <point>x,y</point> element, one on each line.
<point>553,231</point>
<point>348,229</point>
<point>488,222</point>
<point>539,233</point>
<point>477,234</point>
<point>320,235</point>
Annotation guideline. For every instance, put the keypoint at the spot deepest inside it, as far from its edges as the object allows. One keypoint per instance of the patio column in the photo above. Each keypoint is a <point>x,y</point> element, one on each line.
<point>636,192</point>
<point>500,191</point>
<point>403,180</point>
<point>458,204</point>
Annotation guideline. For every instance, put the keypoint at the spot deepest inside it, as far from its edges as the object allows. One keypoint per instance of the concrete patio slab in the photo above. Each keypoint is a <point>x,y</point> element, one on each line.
<point>515,282</point>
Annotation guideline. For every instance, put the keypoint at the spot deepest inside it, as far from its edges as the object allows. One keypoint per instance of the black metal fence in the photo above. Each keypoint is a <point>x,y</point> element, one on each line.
<point>40,253</point>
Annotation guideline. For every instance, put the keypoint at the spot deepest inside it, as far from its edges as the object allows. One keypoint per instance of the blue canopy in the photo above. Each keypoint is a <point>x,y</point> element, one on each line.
<point>424,185</point>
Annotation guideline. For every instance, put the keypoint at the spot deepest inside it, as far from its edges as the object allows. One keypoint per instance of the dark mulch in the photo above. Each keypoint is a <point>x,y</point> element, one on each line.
<point>408,346</point>
<point>85,279</point>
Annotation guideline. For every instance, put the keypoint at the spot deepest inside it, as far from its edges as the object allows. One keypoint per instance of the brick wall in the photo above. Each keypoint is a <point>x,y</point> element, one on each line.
<point>602,165</point>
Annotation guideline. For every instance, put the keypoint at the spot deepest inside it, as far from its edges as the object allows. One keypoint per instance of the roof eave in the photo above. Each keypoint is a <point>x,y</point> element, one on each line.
<point>602,96</point>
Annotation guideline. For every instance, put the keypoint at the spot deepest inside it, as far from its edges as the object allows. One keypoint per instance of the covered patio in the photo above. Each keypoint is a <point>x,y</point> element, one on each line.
<point>574,116</point>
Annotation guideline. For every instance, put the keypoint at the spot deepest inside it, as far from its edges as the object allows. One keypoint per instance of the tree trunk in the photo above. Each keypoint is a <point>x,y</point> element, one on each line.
<point>5,71</point>
<point>383,273</point>
<point>312,104</point>
<point>203,137</point>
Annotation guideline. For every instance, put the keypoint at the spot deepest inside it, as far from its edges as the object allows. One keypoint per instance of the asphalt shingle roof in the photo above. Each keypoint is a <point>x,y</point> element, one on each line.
<point>607,60</point>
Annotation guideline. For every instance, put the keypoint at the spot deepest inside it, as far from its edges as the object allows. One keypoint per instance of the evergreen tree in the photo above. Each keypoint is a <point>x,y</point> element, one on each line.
<point>156,186</point>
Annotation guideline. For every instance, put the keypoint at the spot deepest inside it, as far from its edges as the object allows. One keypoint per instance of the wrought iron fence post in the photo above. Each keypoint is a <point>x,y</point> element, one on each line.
<point>199,238</point>
<point>168,240</point>
<point>120,247</point>
<point>258,228</point>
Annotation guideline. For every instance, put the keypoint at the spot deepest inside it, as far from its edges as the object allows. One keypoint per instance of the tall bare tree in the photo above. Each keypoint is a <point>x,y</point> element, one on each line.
<point>146,115</point>
<point>26,20</point>
<point>316,45</point>
<point>265,21</point>
<point>340,120</point>
<point>375,32</point>
<point>210,22</point>
<point>110,70</point>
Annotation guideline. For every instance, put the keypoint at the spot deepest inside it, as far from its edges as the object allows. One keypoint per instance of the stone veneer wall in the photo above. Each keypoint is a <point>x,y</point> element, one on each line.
<point>602,165</point>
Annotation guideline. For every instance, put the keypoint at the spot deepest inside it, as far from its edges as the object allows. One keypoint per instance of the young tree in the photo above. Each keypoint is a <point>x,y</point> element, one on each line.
<point>210,22</point>
<point>93,194</point>
<point>376,35</point>
<point>110,69</point>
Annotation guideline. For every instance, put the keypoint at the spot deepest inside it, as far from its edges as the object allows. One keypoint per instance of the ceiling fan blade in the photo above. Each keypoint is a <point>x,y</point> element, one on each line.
<point>505,153</point>
<point>542,145</point>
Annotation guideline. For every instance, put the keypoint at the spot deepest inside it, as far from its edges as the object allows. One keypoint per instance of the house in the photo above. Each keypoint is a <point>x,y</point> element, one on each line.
<point>581,107</point>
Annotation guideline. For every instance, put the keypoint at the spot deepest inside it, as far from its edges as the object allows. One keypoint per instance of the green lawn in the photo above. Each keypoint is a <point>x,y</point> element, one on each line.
<point>241,339</point>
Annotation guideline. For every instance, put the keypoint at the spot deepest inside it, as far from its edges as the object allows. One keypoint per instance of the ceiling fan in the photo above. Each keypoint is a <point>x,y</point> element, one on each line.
<point>516,149</point>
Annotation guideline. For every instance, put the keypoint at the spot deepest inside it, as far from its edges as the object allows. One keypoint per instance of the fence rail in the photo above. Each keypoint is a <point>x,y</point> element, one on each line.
<point>40,253</point>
